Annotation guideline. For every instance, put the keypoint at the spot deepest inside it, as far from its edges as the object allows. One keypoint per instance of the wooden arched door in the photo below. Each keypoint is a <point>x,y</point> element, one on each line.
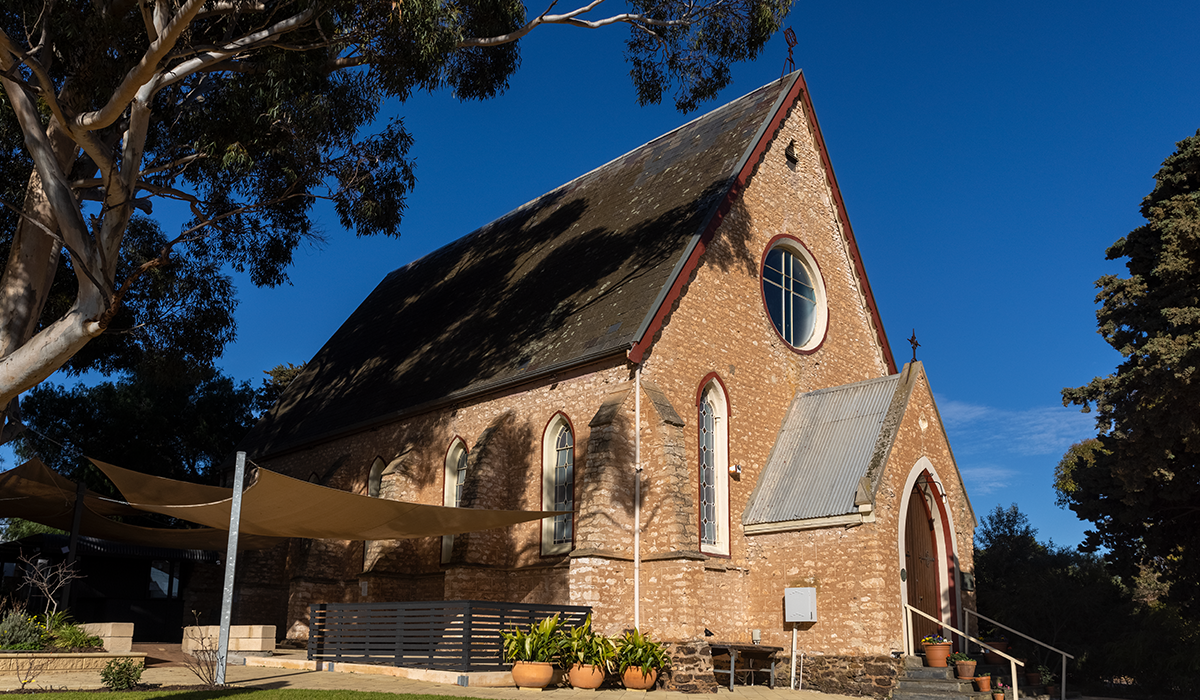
<point>920,562</point>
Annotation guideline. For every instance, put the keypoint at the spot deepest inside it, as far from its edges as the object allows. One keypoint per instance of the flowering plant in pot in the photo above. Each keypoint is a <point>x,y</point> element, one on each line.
<point>998,691</point>
<point>533,653</point>
<point>964,666</point>
<point>937,649</point>
<point>639,659</point>
<point>588,656</point>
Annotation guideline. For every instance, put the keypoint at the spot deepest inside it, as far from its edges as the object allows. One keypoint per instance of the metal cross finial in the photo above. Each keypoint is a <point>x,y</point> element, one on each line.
<point>913,342</point>
<point>790,64</point>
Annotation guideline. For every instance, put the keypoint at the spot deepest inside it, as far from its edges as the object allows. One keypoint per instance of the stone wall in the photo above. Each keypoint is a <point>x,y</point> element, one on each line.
<point>691,668</point>
<point>851,675</point>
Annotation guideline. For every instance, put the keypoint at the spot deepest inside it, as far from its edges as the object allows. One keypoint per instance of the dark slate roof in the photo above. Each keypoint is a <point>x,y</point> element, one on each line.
<point>569,277</point>
<point>830,440</point>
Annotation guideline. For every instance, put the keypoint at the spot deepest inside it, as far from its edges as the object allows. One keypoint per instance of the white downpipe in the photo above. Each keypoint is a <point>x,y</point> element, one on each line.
<point>792,685</point>
<point>637,497</point>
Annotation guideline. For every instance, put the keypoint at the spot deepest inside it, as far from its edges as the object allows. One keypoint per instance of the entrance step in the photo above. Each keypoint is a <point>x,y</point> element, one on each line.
<point>921,682</point>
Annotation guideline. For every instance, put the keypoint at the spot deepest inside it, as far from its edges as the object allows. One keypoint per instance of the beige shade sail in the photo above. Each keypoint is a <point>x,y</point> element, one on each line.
<point>35,492</point>
<point>275,505</point>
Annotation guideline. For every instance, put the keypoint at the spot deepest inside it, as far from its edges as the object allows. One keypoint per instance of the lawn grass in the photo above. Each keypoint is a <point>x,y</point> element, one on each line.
<point>236,693</point>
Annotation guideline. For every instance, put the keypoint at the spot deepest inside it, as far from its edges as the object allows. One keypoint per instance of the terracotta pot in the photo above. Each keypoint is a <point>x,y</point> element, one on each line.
<point>993,657</point>
<point>965,669</point>
<point>998,695</point>
<point>585,676</point>
<point>634,679</point>
<point>1033,678</point>
<point>935,654</point>
<point>984,683</point>
<point>532,674</point>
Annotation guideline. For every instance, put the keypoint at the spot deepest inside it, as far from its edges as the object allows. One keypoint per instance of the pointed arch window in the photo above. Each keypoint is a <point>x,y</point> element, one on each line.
<point>453,480</point>
<point>558,484</point>
<point>713,476</point>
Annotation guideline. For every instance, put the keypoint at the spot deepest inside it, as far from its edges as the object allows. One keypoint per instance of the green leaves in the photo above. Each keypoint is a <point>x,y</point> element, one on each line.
<point>543,642</point>
<point>635,649</point>
<point>1138,482</point>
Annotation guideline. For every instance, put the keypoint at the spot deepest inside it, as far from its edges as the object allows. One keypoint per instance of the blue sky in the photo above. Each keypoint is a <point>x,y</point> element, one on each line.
<point>988,154</point>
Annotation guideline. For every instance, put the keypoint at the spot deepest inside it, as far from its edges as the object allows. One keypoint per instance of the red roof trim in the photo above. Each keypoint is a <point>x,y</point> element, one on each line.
<point>798,90</point>
<point>855,255</point>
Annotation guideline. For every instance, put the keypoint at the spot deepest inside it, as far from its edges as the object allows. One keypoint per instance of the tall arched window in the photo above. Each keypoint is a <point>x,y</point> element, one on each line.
<point>454,476</point>
<point>558,484</point>
<point>713,424</point>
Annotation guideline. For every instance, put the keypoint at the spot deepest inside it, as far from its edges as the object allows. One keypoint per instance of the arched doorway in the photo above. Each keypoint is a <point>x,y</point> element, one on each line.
<point>923,586</point>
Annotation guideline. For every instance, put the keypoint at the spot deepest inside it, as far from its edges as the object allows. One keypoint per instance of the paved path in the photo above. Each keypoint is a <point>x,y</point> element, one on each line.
<point>164,668</point>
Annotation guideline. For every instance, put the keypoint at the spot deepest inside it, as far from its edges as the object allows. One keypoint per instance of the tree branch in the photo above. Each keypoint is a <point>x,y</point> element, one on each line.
<point>143,73</point>
<point>254,40</point>
<point>572,19</point>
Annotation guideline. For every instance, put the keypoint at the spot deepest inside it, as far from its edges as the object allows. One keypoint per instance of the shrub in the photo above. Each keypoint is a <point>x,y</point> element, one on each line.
<point>121,674</point>
<point>21,631</point>
<point>70,636</point>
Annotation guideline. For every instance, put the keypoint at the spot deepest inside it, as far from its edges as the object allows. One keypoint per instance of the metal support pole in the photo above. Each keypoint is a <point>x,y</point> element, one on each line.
<point>235,515</point>
<point>73,544</point>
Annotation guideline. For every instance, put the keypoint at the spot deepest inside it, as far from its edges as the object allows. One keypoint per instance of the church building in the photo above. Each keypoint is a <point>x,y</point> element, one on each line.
<point>680,348</point>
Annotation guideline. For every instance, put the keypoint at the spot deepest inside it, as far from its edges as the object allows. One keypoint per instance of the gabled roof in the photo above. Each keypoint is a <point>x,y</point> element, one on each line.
<point>586,272</point>
<point>830,452</point>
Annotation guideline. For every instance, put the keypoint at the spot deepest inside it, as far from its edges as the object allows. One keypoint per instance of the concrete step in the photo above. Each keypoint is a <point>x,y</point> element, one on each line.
<point>919,685</point>
<point>928,672</point>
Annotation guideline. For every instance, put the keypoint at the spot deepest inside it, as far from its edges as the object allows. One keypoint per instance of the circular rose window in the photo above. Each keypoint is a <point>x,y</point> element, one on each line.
<point>794,294</point>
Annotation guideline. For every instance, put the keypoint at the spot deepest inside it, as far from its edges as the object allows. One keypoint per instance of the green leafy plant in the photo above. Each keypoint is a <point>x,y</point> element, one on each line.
<point>584,646</point>
<point>121,674</point>
<point>959,658</point>
<point>985,674</point>
<point>71,636</point>
<point>635,649</point>
<point>19,630</point>
<point>542,643</point>
<point>1048,676</point>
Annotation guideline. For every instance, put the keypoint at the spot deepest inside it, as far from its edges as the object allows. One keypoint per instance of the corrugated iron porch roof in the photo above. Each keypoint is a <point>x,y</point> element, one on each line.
<point>827,444</point>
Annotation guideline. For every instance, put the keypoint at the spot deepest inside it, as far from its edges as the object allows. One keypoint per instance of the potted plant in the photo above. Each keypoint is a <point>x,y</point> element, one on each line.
<point>1000,643</point>
<point>533,653</point>
<point>1039,675</point>
<point>588,656</point>
<point>964,666</point>
<point>984,682</point>
<point>998,691</point>
<point>937,649</point>
<point>638,660</point>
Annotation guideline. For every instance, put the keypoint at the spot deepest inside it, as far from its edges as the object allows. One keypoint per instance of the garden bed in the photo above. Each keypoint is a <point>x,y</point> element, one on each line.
<point>14,662</point>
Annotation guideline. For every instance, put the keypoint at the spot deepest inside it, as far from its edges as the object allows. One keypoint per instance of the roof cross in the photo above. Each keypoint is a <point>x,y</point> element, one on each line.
<point>913,342</point>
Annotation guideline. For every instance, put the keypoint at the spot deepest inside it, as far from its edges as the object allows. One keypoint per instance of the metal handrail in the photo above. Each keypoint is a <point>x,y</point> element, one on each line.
<point>908,643</point>
<point>1063,684</point>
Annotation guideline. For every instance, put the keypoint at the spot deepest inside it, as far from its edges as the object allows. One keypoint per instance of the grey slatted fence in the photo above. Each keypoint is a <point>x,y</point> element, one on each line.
<point>444,635</point>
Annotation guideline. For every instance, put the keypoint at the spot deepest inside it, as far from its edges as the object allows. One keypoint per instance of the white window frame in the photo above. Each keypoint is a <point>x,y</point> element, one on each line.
<point>549,464</point>
<point>451,489</point>
<point>821,303</point>
<point>714,394</point>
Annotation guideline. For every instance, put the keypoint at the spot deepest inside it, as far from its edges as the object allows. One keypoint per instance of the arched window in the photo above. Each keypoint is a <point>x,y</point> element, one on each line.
<point>558,484</point>
<point>375,479</point>
<point>455,475</point>
<point>713,425</point>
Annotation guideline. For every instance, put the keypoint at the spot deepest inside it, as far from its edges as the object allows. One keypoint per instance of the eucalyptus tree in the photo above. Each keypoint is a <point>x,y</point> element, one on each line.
<point>246,111</point>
